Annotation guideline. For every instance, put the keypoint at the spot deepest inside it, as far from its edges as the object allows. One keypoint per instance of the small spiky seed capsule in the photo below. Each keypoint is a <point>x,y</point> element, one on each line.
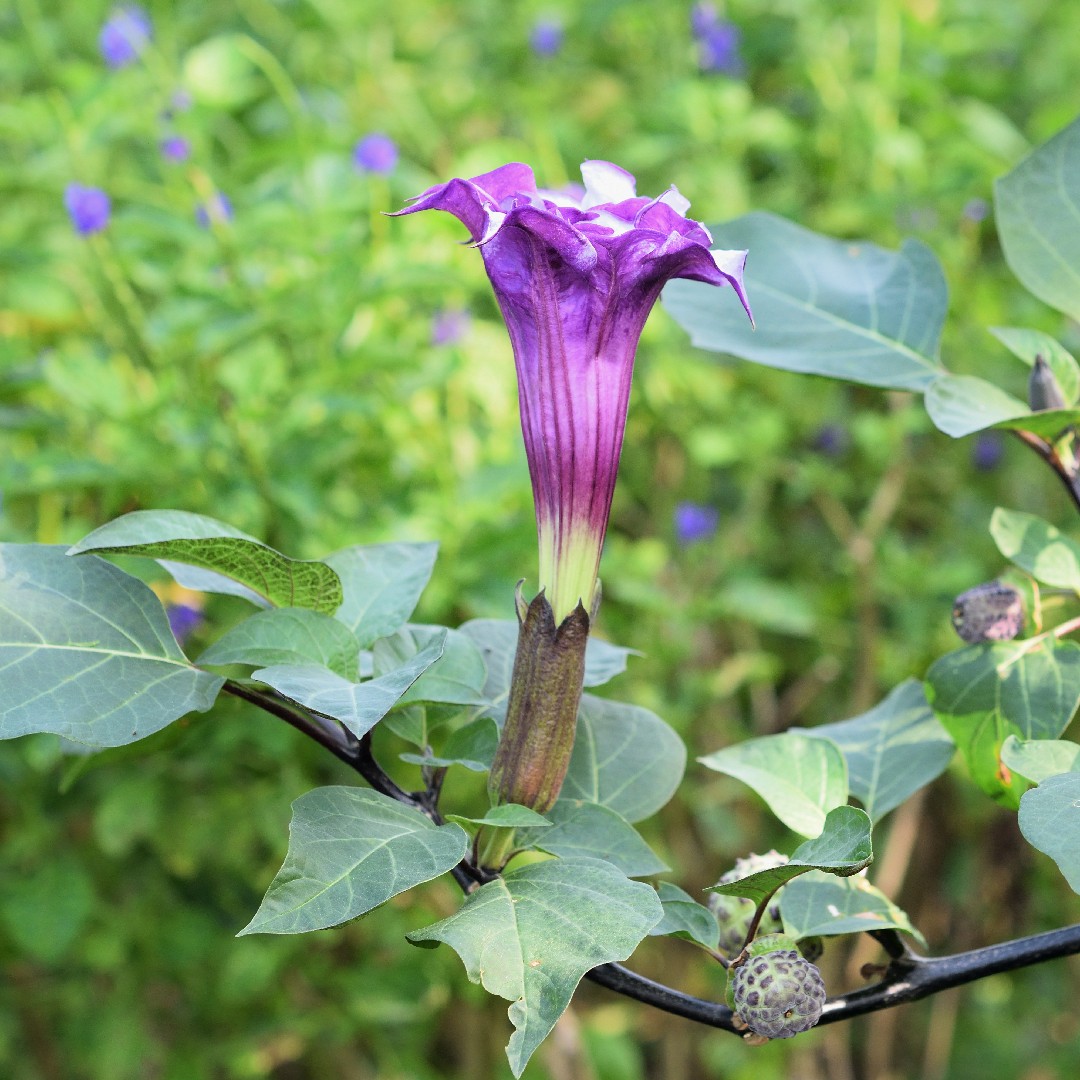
<point>988,612</point>
<point>734,913</point>
<point>777,994</point>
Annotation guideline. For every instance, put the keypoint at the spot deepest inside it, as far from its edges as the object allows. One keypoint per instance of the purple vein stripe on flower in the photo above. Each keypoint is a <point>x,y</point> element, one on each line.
<point>575,278</point>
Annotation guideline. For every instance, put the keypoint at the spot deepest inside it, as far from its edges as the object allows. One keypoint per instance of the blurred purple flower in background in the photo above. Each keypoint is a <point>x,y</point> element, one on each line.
<point>219,210</point>
<point>376,153</point>
<point>695,521</point>
<point>831,440</point>
<point>718,41</point>
<point>175,148</point>
<point>988,450</point>
<point>976,210</point>
<point>88,208</point>
<point>450,326</point>
<point>184,620</point>
<point>703,18</point>
<point>124,36</point>
<point>546,38</point>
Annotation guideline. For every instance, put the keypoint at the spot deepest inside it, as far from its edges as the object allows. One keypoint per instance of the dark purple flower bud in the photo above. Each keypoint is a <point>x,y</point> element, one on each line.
<point>718,49</point>
<point>218,210</point>
<point>988,450</point>
<point>184,620</point>
<point>124,36</point>
<point>976,210</point>
<point>695,522</point>
<point>175,148</point>
<point>575,280</point>
<point>376,153</point>
<point>1044,392</point>
<point>88,208</point>
<point>449,326</point>
<point>831,440</point>
<point>703,18</point>
<point>546,37</point>
<point>988,612</point>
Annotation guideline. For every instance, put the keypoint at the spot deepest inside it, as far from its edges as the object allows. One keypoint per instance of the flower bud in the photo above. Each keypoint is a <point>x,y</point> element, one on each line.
<point>988,612</point>
<point>1044,391</point>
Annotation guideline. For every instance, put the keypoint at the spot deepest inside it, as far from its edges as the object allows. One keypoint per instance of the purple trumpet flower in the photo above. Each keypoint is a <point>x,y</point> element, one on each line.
<point>576,277</point>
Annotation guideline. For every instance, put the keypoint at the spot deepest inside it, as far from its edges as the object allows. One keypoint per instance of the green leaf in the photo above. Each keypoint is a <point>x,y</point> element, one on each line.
<point>497,641</point>
<point>1050,821</point>
<point>963,404</point>
<point>288,636</point>
<point>351,849</point>
<point>986,692</point>
<point>1037,547</point>
<point>44,910</point>
<point>1039,759</point>
<point>530,937</point>
<point>104,675</point>
<point>625,758</point>
<point>507,816</point>
<point>843,848</point>
<point>801,778</point>
<point>382,584</point>
<point>359,706</point>
<point>472,746</point>
<point>212,545</point>
<point>819,904</point>
<point>1027,344</point>
<point>684,917</point>
<point>596,832</point>
<point>456,678</point>
<point>891,751</point>
<point>846,309</point>
<point>1037,208</point>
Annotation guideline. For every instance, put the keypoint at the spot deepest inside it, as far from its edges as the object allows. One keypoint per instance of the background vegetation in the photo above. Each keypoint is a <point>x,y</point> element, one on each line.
<point>280,361</point>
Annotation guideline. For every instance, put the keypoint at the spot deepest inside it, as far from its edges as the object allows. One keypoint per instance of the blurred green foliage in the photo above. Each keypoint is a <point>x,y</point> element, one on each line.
<point>277,369</point>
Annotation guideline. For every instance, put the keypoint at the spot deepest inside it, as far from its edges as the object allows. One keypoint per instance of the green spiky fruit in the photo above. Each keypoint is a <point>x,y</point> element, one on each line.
<point>734,913</point>
<point>777,994</point>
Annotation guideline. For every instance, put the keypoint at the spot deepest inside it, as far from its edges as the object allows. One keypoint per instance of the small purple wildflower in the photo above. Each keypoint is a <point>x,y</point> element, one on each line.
<point>184,620</point>
<point>831,440</point>
<point>376,153</point>
<point>124,36</point>
<point>718,49</point>
<point>175,148</point>
<point>450,326</point>
<point>976,210</point>
<point>88,208</point>
<point>988,450</point>
<point>703,18</point>
<point>546,37</point>
<point>694,522</point>
<point>219,210</point>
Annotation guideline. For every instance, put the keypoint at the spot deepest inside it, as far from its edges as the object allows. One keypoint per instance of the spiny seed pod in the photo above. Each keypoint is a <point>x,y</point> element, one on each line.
<point>1044,391</point>
<point>988,612</point>
<point>734,913</point>
<point>777,994</point>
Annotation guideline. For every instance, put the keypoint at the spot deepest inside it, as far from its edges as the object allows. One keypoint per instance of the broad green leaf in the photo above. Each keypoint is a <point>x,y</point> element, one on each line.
<point>351,849</point>
<point>842,308</point>
<point>596,832</point>
<point>891,751</point>
<point>1039,759</point>
<point>684,917</point>
<point>1050,821</point>
<point>382,584</point>
<point>1037,547</point>
<point>1037,207</point>
<point>507,816</point>
<point>497,641</point>
<point>625,758</point>
<point>986,692</point>
<point>288,636</point>
<point>801,778</point>
<point>1027,344</point>
<point>530,937</point>
<point>472,746</point>
<point>456,678</point>
<point>103,675</point>
<point>359,706</point>
<point>843,848</point>
<point>963,404</point>
<point>212,545</point>
<point>819,904</point>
